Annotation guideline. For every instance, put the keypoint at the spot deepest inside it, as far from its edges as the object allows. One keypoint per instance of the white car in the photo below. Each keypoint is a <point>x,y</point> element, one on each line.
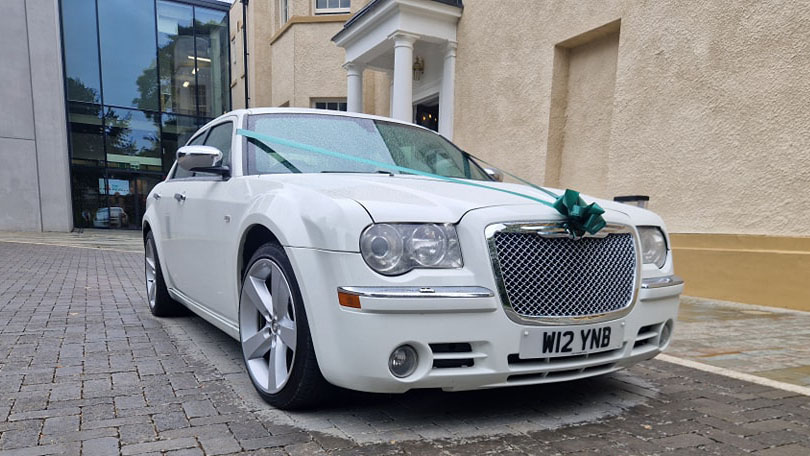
<point>375,255</point>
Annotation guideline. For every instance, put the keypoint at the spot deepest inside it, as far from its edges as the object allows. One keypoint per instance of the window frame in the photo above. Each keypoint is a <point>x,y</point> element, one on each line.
<point>314,102</point>
<point>330,10</point>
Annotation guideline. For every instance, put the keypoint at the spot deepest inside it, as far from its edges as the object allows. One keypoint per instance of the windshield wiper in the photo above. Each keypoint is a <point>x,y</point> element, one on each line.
<point>379,171</point>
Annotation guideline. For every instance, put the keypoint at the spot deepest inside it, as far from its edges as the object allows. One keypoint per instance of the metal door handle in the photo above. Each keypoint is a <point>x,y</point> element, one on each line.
<point>156,196</point>
<point>179,197</point>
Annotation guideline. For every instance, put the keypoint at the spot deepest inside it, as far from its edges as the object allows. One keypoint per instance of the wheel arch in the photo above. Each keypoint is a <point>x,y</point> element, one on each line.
<point>253,237</point>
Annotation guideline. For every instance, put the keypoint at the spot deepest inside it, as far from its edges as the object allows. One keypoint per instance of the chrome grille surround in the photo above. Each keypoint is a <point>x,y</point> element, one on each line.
<point>556,230</point>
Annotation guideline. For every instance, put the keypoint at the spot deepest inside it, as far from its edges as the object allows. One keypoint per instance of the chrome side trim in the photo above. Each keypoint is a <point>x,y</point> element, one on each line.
<point>553,229</point>
<point>661,282</point>
<point>418,292</point>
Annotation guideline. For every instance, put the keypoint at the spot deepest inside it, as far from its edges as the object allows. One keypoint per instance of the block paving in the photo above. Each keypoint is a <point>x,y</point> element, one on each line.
<point>85,369</point>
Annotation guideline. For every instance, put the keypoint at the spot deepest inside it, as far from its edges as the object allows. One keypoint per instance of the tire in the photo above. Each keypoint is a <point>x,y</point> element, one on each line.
<point>274,334</point>
<point>160,302</point>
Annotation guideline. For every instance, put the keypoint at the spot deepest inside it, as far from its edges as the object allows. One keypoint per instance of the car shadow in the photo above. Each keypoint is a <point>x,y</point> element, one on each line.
<point>365,417</point>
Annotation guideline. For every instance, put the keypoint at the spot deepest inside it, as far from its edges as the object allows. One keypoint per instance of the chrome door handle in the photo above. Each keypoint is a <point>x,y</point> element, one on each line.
<point>179,197</point>
<point>156,196</point>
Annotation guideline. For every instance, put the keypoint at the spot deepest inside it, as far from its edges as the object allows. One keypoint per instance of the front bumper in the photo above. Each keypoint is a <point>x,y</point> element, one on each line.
<point>353,345</point>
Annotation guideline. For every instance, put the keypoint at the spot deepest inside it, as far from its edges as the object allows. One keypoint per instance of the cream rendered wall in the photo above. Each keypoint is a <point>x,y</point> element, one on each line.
<point>710,114</point>
<point>318,63</point>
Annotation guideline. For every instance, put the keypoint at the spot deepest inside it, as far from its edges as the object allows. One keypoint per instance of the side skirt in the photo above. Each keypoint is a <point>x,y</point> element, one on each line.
<point>230,328</point>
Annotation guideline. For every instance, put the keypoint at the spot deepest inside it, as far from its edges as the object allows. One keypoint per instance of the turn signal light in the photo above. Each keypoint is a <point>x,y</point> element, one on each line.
<point>348,300</point>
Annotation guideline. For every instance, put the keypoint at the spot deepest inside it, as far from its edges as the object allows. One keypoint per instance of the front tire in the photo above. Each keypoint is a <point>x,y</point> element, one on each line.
<point>274,333</point>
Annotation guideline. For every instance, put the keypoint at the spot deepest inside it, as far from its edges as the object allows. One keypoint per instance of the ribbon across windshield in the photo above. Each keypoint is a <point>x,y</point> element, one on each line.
<point>580,217</point>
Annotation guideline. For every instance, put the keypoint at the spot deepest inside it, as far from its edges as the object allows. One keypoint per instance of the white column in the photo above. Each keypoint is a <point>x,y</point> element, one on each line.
<point>447,92</point>
<point>402,100</point>
<point>354,92</point>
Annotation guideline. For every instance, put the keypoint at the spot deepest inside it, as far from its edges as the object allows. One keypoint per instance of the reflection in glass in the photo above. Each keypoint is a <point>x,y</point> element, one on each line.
<point>176,57</point>
<point>86,143</point>
<point>127,37</point>
<point>133,140</point>
<point>81,50</point>
<point>176,131</point>
<point>88,196</point>
<point>213,86</point>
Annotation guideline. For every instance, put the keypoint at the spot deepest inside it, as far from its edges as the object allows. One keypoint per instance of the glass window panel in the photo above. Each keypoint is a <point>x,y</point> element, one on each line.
<point>334,4</point>
<point>213,86</point>
<point>120,193</point>
<point>128,49</point>
<point>220,137</point>
<point>126,193</point>
<point>133,140</point>
<point>86,134</point>
<point>176,57</point>
<point>320,4</point>
<point>88,197</point>
<point>176,132</point>
<point>345,3</point>
<point>81,50</point>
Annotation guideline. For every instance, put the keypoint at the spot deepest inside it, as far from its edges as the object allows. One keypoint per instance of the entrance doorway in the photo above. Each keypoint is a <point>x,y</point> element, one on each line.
<point>427,114</point>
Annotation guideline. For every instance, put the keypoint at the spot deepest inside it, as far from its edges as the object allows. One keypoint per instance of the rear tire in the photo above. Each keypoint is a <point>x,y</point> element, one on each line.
<point>274,333</point>
<point>160,302</point>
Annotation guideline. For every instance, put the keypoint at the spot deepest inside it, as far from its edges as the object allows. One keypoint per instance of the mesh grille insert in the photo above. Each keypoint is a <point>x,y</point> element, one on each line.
<point>562,277</point>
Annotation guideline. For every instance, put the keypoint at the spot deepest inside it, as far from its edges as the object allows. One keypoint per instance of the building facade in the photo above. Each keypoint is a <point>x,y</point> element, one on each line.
<point>101,94</point>
<point>699,105</point>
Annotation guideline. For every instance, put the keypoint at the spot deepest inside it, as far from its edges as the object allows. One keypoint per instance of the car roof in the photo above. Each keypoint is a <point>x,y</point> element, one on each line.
<point>328,112</point>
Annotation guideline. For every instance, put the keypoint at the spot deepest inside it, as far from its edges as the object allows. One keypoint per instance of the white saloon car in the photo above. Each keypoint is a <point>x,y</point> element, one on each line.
<point>375,255</point>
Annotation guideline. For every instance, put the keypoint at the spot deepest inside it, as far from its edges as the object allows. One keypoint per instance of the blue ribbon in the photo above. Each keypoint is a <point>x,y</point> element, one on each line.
<point>579,217</point>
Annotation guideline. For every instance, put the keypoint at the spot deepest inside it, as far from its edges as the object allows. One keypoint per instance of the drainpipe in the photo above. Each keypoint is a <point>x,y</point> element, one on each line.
<point>245,49</point>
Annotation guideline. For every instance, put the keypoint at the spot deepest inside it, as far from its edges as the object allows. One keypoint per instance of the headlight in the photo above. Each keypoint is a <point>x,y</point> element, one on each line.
<point>653,245</point>
<point>396,248</point>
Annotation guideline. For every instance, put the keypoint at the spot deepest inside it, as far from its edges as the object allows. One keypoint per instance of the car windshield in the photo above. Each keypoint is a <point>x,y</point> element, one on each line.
<point>380,141</point>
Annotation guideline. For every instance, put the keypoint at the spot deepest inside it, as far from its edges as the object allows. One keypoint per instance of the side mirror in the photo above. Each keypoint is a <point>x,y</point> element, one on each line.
<point>494,173</point>
<point>201,159</point>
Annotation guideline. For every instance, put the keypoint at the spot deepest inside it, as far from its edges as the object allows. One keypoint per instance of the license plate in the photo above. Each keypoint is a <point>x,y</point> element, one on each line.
<point>550,343</point>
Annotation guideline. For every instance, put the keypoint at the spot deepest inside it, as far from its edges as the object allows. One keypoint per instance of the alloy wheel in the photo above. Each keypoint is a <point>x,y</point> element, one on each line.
<point>267,327</point>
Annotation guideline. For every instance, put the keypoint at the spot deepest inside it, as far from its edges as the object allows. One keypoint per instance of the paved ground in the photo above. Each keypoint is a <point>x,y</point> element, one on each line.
<point>123,240</point>
<point>764,341</point>
<point>84,368</point>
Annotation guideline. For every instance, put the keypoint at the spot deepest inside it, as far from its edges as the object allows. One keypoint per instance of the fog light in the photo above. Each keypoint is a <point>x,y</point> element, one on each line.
<point>403,361</point>
<point>666,334</point>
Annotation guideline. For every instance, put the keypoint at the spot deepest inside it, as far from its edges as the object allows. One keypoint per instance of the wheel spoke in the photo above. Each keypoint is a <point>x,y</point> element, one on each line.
<point>259,296</point>
<point>152,289</point>
<point>286,332</point>
<point>278,365</point>
<point>258,344</point>
<point>280,293</point>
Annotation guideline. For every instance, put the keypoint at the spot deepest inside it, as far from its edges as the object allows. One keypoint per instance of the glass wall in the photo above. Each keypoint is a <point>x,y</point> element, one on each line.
<point>141,76</point>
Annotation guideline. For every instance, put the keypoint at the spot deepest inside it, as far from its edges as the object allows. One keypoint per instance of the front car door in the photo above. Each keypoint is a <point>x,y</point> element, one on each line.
<point>208,223</point>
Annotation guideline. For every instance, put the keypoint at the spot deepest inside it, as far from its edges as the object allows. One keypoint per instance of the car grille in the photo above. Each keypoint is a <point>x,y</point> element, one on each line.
<point>562,277</point>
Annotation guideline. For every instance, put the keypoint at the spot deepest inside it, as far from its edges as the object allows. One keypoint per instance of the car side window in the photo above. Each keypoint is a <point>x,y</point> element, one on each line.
<point>179,172</point>
<point>220,137</point>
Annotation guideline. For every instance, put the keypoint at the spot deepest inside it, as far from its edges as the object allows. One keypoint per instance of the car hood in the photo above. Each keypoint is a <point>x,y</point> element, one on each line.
<point>405,198</point>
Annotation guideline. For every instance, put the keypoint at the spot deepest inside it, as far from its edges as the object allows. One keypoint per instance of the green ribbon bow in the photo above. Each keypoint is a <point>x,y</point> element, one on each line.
<point>580,218</point>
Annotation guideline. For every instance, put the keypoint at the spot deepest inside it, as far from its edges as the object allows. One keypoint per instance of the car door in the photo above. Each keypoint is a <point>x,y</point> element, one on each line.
<point>208,212</point>
<point>169,210</point>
